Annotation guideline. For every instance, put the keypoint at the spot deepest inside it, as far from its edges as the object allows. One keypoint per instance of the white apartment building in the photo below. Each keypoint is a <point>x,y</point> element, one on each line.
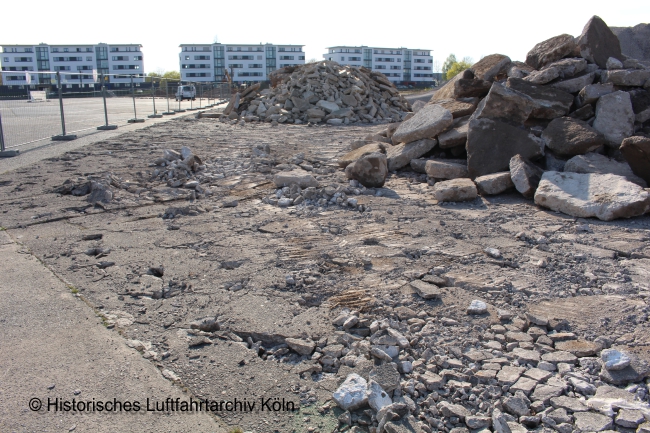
<point>401,65</point>
<point>91,61</point>
<point>208,63</point>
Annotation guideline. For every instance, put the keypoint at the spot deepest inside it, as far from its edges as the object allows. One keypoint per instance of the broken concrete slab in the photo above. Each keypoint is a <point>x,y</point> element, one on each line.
<point>575,84</point>
<point>549,102</point>
<point>627,77</point>
<point>597,43</point>
<point>636,151</point>
<point>592,92</point>
<point>299,177</point>
<point>615,117</point>
<point>401,155</point>
<point>457,135</point>
<point>505,104</point>
<point>550,50</point>
<point>427,123</point>
<point>492,68</point>
<point>369,170</point>
<point>604,196</point>
<point>597,163</point>
<point>445,169</point>
<point>567,137</point>
<point>495,183</point>
<point>491,144</point>
<point>355,154</point>
<point>458,107</point>
<point>455,190</point>
<point>525,175</point>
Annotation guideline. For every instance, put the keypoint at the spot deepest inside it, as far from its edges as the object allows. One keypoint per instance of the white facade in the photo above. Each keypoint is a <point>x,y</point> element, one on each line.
<point>91,61</point>
<point>208,63</point>
<point>398,64</point>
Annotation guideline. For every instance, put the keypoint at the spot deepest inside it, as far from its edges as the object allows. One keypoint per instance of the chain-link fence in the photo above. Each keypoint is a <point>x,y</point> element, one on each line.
<point>62,105</point>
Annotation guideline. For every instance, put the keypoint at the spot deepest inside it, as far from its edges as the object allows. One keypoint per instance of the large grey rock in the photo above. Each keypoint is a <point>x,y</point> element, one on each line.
<point>369,170</point>
<point>597,163</point>
<point>592,92</point>
<point>615,117</point>
<point>328,106</point>
<point>458,107</point>
<point>525,176</point>
<point>427,123</point>
<point>568,137</point>
<point>303,347</point>
<point>418,165</point>
<point>426,290</point>
<point>544,76</point>
<point>492,68</point>
<point>636,151</point>
<point>499,422</point>
<point>454,190</point>
<point>604,196</point>
<point>636,371</point>
<point>456,136</point>
<point>567,68</point>
<point>597,43</point>
<point>640,104</point>
<point>462,85</point>
<point>445,169</point>
<point>627,77</point>
<point>491,144</point>
<point>300,177</point>
<point>492,184</point>
<point>573,85</point>
<point>352,394</point>
<point>592,422</point>
<point>386,375</point>
<point>548,102</point>
<point>550,50</point>
<point>505,104</point>
<point>377,397</point>
<point>355,154</point>
<point>614,359</point>
<point>401,155</point>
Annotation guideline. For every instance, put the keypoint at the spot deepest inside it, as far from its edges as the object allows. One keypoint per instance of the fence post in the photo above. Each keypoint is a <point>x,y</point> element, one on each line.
<point>155,114</point>
<point>180,110</point>
<point>105,126</point>
<point>63,136</point>
<point>5,153</point>
<point>135,113</point>
<point>168,112</point>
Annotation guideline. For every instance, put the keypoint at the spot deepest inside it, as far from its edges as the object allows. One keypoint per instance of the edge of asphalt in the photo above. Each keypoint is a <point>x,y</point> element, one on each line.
<point>53,346</point>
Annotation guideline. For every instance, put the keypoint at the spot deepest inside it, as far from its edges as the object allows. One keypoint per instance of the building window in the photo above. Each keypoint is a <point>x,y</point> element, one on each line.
<point>281,49</point>
<point>89,50</point>
<point>301,57</point>
<point>250,74</point>
<point>259,57</point>
<point>136,58</point>
<point>29,50</point>
<point>256,66</point>
<point>89,58</point>
<point>236,65</point>
<point>287,57</point>
<point>66,50</point>
<point>187,57</point>
<point>380,67</point>
<point>120,58</point>
<point>342,58</point>
<point>352,59</point>
<point>5,59</point>
<point>55,50</point>
<point>22,59</point>
<point>395,67</point>
<point>114,49</point>
<point>201,57</point>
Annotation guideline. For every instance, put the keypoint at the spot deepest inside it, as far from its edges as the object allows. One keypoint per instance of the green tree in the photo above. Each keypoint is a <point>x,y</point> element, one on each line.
<point>451,59</point>
<point>457,68</point>
<point>172,75</point>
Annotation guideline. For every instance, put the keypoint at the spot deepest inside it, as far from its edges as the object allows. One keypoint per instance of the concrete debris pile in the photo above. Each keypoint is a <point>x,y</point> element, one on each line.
<point>569,128</point>
<point>321,92</point>
<point>529,372</point>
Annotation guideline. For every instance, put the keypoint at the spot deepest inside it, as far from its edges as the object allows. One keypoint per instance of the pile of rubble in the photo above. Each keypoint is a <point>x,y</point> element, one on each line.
<point>569,128</point>
<point>321,92</point>
<point>527,373</point>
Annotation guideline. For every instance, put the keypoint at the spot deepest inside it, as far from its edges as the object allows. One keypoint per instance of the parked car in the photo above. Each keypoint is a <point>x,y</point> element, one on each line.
<point>186,92</point>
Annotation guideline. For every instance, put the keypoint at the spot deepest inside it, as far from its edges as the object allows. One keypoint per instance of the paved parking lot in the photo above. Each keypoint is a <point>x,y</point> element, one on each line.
<point>26,122</point>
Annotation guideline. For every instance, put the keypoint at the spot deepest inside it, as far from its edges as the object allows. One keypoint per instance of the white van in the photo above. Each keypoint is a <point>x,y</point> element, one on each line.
<point>186,92</point>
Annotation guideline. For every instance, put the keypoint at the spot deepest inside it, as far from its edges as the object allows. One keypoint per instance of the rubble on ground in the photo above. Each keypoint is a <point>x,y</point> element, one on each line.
<point>321,92</point>
<point>570,107</point>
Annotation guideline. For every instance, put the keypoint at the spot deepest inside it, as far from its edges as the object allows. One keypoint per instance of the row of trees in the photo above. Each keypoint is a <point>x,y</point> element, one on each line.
<point>453,67</point>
